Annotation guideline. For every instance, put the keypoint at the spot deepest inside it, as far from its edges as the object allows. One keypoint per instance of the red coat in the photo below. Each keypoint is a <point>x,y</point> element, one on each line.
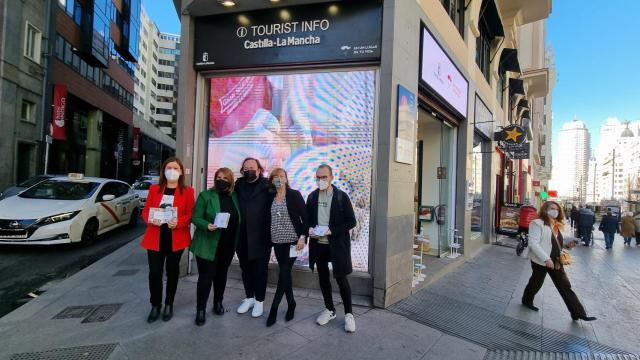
<point>181,235</point>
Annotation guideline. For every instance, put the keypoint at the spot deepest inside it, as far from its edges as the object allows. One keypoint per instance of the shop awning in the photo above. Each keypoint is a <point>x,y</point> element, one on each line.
<point>516,86</point>
<point>509,61</point>
<point>490,19</point>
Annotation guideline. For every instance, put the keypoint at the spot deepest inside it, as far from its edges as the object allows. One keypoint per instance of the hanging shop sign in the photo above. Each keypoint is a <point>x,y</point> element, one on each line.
<point>407,116</point>
<point>512,134</point>
<point>438,72</point>
<point>58,128</point>
<point>483,118</point>
<point>518,151</point>
<point>346,31</point>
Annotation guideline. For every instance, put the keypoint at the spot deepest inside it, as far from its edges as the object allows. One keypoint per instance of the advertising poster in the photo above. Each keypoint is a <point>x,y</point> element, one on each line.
<point>509,218</point>
<point>406,125</point>
<point>297,122</point>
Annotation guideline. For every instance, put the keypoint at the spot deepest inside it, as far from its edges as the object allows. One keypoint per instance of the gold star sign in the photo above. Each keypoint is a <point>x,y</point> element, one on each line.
<point>514,134</point>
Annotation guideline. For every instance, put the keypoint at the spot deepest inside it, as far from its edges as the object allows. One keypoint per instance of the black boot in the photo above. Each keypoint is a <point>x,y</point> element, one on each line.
<point>291,310</point>
<point>200,317</point>
<point>168,313</point>
<point>530,306</point>
<point>273,314</point>
<point>153,314</point>
<point>218,309</point>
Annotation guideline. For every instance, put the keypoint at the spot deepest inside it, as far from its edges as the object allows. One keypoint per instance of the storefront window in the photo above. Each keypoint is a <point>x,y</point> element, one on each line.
<point>476,184</point>
<point>299,121</point>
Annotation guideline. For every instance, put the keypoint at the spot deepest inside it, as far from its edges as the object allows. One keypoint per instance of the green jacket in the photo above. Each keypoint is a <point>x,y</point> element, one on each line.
<point>205,243</point>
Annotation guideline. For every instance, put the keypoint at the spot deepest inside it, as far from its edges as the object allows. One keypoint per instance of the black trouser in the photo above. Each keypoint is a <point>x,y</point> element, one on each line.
<point>637,237</point>
<point>285,283</point>
<point>254,274</point>
<point>560,280</point>
<point>322,263</point>
<point>157,261</point>
<point>585,234</point>
<point>214,273</point>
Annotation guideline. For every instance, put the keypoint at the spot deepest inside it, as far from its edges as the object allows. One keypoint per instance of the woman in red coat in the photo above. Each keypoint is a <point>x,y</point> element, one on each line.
<point>167,236</point>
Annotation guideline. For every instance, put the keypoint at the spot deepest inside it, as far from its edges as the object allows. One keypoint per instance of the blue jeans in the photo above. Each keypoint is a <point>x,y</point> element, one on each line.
<point>608,239</point>
<point>627,239</point>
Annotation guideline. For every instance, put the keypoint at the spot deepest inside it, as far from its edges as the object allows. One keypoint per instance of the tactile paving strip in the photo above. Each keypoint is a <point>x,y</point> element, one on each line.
<point>126,272</point>
<point>534,355</point>
<point>102,313</point>
<point>491,330</point>
<point>88,352</point>
<point>75,312</point>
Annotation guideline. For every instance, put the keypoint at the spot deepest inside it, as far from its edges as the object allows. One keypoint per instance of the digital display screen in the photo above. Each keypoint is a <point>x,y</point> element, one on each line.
<point>297,122</point>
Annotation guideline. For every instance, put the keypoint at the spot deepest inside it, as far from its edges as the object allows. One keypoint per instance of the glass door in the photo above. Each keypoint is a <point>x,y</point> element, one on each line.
<point>445,212</point>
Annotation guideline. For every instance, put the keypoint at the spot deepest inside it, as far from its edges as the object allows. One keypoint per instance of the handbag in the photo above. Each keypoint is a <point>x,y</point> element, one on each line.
<point>565,258</point>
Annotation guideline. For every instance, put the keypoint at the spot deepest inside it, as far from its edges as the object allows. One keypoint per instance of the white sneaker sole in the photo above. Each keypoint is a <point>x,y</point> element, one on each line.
<point>323,324</point>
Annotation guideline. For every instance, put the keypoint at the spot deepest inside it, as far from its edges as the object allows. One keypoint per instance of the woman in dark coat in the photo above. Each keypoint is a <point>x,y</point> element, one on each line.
<point>288,233</point>
<point>254,246</point>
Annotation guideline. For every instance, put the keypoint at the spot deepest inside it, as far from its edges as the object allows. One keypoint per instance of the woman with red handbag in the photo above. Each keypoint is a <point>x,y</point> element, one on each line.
<point>167,213</point>
<point>546,243</point>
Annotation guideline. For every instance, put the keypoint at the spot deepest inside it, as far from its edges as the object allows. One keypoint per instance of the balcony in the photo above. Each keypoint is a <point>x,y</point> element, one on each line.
<point>523,11</point>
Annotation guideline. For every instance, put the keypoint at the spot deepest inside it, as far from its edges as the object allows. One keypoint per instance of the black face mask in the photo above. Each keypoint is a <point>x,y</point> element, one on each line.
<point>222,185</point>
<point>250,175</point>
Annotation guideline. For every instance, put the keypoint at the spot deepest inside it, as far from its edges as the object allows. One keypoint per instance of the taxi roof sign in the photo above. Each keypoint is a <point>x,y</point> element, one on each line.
<point>76,176</point>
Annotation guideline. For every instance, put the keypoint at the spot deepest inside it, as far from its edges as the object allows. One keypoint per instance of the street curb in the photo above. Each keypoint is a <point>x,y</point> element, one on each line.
<point>80,278</point>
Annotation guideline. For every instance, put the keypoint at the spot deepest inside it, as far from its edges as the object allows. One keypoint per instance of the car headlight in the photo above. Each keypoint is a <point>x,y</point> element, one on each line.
<point>57,218</point>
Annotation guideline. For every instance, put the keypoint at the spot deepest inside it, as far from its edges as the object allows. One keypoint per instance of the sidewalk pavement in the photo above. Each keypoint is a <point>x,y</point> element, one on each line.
<point>126,335</point>
<point>607,282</point>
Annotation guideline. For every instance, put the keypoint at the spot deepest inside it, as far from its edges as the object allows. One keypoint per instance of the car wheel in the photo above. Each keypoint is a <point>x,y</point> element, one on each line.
<point>90,232</point>
<point>133,220</point>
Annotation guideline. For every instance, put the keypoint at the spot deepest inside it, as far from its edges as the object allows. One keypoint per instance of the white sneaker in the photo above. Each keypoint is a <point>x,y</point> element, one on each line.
<point>326,316</point>
<point>245,305</point>
<point>258,309</point>
<point>349,323</point>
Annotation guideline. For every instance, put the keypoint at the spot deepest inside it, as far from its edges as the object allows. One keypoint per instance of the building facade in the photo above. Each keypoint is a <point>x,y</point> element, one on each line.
<point>572,167</point>
<point>90,87</point>
<point>22,72</point>
<point>156,76</point>
<point>405,109</point>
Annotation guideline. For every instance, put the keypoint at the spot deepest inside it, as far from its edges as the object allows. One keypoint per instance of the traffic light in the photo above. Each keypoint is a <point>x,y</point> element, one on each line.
<point>543,195</point>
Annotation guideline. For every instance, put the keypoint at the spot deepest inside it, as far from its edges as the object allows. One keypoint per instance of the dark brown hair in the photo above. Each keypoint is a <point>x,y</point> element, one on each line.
<point>163,179</point>
<point>326,167</point>
<point>542,214</point>
<point>229,174</point>
<point>273,174</point>
<point>260,168</point>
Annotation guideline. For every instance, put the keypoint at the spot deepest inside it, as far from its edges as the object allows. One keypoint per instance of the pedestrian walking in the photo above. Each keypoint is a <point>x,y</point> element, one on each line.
<point>609,226</point>
<point>586,220</point>
<point>254,247</point>
<point>546,244</point>
<point>167,212</point>
<point>637,222</point>
<point>331,217</point>
<point>628,228</point>
<point>288,235</point>
<point>214,244</point>
<point>574,216</point>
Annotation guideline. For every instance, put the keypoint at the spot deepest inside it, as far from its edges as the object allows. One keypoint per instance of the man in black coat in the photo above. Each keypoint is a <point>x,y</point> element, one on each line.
<point>254,247</point>
<point>574,217</point>
<point>330,219</point>
<point>586,220</point>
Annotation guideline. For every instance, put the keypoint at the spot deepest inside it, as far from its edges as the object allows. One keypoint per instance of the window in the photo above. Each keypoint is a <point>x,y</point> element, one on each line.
<point>164,74</point>
<point>455,9</point>
<point>28,112</point>
<point>32,42</point>
<point>483,49</point>
<point>500,87</point>
<point>476,184</point>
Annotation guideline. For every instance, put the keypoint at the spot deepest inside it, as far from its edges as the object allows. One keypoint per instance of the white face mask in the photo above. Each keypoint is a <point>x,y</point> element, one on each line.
<point>553,213</point>
<point>172,174</point>
<point>323,184</point>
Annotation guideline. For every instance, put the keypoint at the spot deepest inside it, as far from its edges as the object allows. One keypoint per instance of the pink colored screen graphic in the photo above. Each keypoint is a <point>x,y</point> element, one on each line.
<point>298,121</point>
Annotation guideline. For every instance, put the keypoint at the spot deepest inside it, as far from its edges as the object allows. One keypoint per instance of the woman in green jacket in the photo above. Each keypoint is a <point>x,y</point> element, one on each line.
<point>214,246</point>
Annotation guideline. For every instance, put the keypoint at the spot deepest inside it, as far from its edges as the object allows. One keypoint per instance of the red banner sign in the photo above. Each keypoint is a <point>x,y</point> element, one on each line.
<point>552,193</point>
<point>535,182</point>
<point>135,148</point>
<point>58,129</point>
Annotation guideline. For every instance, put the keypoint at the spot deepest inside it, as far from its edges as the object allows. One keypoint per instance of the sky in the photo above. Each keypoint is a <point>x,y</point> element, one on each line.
<point>163,13</point>
<point>596,46</point>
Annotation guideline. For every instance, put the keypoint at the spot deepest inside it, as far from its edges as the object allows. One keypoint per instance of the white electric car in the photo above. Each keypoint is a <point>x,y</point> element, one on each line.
<point>67,209</point>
